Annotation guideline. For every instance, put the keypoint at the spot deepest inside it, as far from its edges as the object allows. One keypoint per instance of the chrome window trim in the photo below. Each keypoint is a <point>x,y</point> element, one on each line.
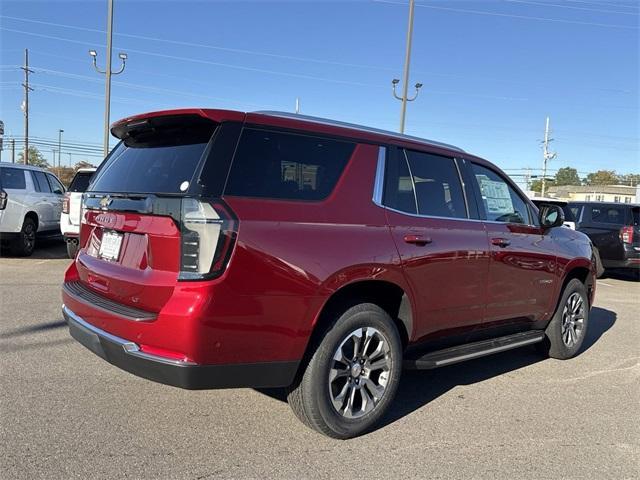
<point>413,183</point>
<point>129,347</point>
<point>378,184</point>
<point>362,128</point>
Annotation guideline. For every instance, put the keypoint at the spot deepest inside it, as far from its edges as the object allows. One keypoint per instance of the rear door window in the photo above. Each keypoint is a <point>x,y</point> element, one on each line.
<point>80,182</point>
<point>288,166</point>
<point>427,184</point>
<point>40,182</point>
<point>608,214</point>
<point>12,178</point>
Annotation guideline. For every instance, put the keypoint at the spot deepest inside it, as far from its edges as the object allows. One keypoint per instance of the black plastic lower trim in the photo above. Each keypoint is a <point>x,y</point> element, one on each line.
<point>188,376</point>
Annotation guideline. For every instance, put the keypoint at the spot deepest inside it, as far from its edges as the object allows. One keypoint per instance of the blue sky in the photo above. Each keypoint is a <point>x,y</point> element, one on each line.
<point>492,70</point>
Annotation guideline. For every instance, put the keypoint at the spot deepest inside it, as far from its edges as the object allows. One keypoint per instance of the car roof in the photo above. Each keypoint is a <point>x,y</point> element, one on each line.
<point>608,204</point>
<point>548,199</point>
<point>23,166</point>
<point>290,120</point>
<point>86,170</point>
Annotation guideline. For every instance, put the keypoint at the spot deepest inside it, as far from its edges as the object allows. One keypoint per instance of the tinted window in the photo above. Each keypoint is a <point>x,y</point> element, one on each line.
<point>436,184</point>
<point>40,181</point>
<point>398,185</point>
<point>500,201</point>
<point>12,178</point>
<point>568,213</point>
<point>286,166</point>
<point>605,214</point>
<point>575,210</point>
<point>80,182</point>
<point>636,216</point>
<point>56,186</point>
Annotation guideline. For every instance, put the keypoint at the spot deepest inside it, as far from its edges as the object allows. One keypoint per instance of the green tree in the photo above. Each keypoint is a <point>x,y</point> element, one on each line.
<point>35,158</point>
<point>631,179</point>
<point>536,185</point>
<point>567,176</point>
<point>602,177</point>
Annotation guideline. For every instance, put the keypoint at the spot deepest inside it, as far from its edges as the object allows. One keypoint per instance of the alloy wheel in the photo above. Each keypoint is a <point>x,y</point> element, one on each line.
<point>573,319</point>
<point>360,372</point>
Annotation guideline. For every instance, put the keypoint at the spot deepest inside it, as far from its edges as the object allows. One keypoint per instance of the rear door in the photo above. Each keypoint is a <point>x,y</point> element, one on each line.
<point>444,252</point>
<point>43,201</point>
<point>78,186</point>
<point>604,226</point>
<point>144,223</point>
<point>521,284</point>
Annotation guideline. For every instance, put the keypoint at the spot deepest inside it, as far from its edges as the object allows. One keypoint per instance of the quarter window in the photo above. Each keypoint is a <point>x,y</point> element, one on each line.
<point>288,166</point>
<point>500,201</point>
<point>12,178</point>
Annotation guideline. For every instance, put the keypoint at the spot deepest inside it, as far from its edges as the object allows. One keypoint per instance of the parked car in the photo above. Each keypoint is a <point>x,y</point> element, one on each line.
<point>569,219</point>
<point>71,209</point>
<point>30,203</point>
<point>570,222</point>
<point>614,230</point>
<point>221,249</point>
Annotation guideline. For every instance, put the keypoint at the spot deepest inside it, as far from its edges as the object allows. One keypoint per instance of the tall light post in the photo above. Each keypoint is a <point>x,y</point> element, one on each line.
<point>108,72</point>
<point>60,132</point>
<point>405,75</point>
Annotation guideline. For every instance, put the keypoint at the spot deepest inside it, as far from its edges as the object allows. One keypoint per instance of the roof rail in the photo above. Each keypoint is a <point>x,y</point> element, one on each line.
<point>336,123</point>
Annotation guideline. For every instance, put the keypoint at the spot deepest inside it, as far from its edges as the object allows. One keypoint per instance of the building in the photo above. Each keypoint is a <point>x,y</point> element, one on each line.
<point>596,193</point>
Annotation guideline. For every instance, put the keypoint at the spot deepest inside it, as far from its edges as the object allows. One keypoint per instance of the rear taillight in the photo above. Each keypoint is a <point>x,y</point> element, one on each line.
<point>208,234</point>
<point>65,203</point>
<point>626,234</point>
<point>3,199</point>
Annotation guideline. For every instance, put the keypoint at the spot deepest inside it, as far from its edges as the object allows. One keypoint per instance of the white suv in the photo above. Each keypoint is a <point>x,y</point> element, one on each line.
<point>71,209</point>
<point>30,202</point>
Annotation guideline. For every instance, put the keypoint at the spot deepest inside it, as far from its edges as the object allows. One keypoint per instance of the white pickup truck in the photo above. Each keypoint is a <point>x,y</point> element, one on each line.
<point>72,209</point>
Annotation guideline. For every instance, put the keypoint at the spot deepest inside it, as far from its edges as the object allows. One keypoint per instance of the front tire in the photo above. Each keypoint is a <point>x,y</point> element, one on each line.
<point>72,249</point>
<point>352,376</point>
<point>25,243</point>
<point>568,327</point>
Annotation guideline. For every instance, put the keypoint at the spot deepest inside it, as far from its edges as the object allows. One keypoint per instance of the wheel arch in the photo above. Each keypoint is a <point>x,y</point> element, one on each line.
<point>583,271</point>
<point>33,216</point>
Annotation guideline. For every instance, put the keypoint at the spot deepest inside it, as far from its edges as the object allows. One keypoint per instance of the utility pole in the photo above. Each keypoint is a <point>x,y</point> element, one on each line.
<point>13,150</point>
<point>60,132</point>
<point>405,75</point>
<point>546,156</point>
<point>27,89</point>
<point>297,105</point>
<point>108,73</point>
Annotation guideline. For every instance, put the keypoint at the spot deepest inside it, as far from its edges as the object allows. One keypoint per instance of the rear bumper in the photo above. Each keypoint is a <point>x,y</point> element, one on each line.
<point>178,373</point>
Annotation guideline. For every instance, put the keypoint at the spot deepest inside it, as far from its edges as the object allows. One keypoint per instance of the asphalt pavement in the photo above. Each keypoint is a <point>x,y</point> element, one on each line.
<point>65,413</point>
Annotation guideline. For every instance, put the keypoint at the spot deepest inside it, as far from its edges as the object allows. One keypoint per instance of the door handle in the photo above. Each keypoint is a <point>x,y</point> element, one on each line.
<point>417,239</point>
<point>500,242</point>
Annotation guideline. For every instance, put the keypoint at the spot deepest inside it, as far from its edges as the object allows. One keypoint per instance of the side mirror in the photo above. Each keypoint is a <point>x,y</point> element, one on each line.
<point>551,216</point>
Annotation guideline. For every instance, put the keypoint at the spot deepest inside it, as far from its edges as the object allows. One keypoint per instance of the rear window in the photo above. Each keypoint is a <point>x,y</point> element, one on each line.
<point>12,178</point>
<point>159,155</point>
<point>80,182</point>
<point>608,214</point>
<point>282,165</point>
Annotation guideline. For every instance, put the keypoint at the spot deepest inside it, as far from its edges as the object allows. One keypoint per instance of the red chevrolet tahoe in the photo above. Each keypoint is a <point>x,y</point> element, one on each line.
<point>224,249</point>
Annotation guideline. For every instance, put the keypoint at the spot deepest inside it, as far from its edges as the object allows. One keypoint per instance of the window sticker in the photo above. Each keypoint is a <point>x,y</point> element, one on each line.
<point>496,196</point>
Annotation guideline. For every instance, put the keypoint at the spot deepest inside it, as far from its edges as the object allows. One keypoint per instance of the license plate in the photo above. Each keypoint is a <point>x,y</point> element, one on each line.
<point>110,246</point>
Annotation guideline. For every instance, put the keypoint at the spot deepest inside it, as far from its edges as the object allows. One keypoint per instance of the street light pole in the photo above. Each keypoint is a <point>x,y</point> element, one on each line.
<point>405,80</point>
<point>108,73</point>
<point>59,149</point>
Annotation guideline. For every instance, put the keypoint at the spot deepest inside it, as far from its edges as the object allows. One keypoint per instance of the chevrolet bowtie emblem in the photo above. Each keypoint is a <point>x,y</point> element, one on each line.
<point>105,201</point>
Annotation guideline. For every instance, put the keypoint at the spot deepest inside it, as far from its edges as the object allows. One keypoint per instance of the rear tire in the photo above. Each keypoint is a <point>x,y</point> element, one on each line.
<point>568,327</point>
<point>72,249</point>
<point>352,376</point>
<point>25,243</point>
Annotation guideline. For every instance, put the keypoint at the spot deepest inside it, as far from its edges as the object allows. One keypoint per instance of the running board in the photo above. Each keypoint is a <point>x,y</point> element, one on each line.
<point>461,353</point>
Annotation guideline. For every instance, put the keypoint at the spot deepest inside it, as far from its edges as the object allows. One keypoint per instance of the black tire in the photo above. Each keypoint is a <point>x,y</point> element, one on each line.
<point>25,242</point>
<point>599,267</point>
<point>312,395</point>
<point>72,249</point>
<point>559,342</point>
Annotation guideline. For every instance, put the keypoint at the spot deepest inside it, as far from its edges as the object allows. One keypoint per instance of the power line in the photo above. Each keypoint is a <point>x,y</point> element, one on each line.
<point>508,15</point>
<point>545,4</point>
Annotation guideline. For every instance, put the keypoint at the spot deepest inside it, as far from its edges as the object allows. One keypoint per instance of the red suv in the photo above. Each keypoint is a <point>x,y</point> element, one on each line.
<point>225,249</point>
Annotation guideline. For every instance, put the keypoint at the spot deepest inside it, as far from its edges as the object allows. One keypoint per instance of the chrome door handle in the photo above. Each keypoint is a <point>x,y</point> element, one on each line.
<point>417,239</point>
<point>500,242</point>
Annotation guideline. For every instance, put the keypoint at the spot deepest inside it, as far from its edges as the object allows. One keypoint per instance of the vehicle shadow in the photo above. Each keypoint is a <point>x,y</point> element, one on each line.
<point>628,275</point>
<point>419,387</point>
<point>47,248</point>
<point>41,327</point>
